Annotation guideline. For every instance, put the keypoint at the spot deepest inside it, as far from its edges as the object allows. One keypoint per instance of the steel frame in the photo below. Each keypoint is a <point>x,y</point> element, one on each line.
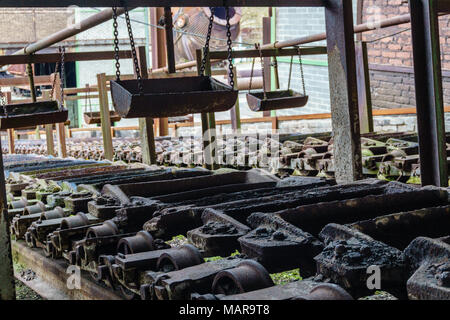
<point>428,88</point>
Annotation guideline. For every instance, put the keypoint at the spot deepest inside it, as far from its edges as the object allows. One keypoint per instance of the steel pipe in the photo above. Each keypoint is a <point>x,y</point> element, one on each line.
<point>68,32</point>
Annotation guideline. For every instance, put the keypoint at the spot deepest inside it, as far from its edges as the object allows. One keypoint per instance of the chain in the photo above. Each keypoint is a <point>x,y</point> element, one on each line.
<point>258,47</point>
<point>230,46</point>
<point>62,50</point>
<point>208,38</point>
<point>301,69</point>
<point>133,51</point>
<point>116,43</point>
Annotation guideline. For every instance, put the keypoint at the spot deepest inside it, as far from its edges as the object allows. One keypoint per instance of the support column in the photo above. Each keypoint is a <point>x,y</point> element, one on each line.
<point>146,124</point>
<point>343,91</point>
<point>11,135</point>
<point>7,285</point>
<point>49,129</point>
<point>364,95</point>
<point>105,116</point>
<point>429,96</point>
<point>158,43</point>
<point>235,112</point>
<point>267,38</point>
<point>60,130</point>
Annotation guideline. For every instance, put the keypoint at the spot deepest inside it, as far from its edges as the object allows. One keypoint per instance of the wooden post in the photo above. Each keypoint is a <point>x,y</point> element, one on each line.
<point>364,96</point>
<point>105,116</point>
<point>158,43</point>
<point>205,121</point>
<point>49,129</point>
<point>235,112</point>
<point>60,130</point>
<point>343,90</point>
<point>146,124</point>
<point>11,133</point>
<point>267,38</point>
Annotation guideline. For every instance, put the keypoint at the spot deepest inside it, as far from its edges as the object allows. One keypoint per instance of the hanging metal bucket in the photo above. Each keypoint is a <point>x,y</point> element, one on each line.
<point>280,99</point>
<point>31,114</point>
<point>95,118</point>
<point>171,97</point>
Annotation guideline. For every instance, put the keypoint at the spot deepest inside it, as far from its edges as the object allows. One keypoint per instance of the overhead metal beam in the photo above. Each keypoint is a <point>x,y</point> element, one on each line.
<point>429,96</point>
<point>162,3</point>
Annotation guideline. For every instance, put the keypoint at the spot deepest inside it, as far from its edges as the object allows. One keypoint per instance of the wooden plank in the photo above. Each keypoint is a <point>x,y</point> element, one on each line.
<point>49,129</point>
<point>268,53</point>
<point>105,117</point>
<point>55,274</point>
<point>11,137</point>
<point>56,57</point>
<point>146,124</point>
<point>24,81</point>
<point>60,130</point>
<point>364,95</point>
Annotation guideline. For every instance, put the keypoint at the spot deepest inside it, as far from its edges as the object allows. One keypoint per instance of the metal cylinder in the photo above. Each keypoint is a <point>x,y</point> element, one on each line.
<point>79,220</point>
<point>56,213</point>
<point>249,275</point>
<point>35,208</point>
<point>179,258</point>
<point>108,228</point>
<point>141,242</point>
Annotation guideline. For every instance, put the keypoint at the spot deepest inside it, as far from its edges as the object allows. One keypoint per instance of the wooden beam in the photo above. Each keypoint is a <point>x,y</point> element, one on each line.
<point>11,136</point>
<point>56,57</point>
<point>49,129</point>
<point>159,3</point>
<point>267,53</point>
<point>146,124</point>
<point>235,112</point>
<point>60,130</point>
<point>343,91</point>
<point>364,95</point>
<point>159,59</point>
<point>24,81</point>
<point>105,116</point>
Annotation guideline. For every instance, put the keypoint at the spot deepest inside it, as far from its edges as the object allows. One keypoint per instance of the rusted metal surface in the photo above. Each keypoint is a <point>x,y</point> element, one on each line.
<point>429,263</point>
<point>332,233</point>
<point>171,97</point>
<point>31,114</point>
<point>348,254</point>
<point>275,100</point>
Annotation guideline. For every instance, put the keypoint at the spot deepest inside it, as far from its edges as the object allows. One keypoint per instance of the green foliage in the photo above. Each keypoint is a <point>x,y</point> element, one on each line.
<point>286,276</point>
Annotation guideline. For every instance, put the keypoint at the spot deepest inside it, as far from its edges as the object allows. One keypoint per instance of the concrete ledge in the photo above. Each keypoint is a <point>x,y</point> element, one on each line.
<point>51,280</point>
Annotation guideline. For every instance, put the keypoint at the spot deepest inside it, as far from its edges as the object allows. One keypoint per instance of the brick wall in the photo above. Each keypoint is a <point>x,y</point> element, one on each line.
<point>23,25</point>
<point>395,89</point>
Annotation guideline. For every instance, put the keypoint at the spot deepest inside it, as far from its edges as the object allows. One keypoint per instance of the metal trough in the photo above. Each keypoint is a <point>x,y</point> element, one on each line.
<point>171,97</point>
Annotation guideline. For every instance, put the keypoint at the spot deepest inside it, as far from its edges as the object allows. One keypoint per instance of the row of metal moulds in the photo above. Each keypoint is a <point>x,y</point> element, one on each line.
<point>242,229</point>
